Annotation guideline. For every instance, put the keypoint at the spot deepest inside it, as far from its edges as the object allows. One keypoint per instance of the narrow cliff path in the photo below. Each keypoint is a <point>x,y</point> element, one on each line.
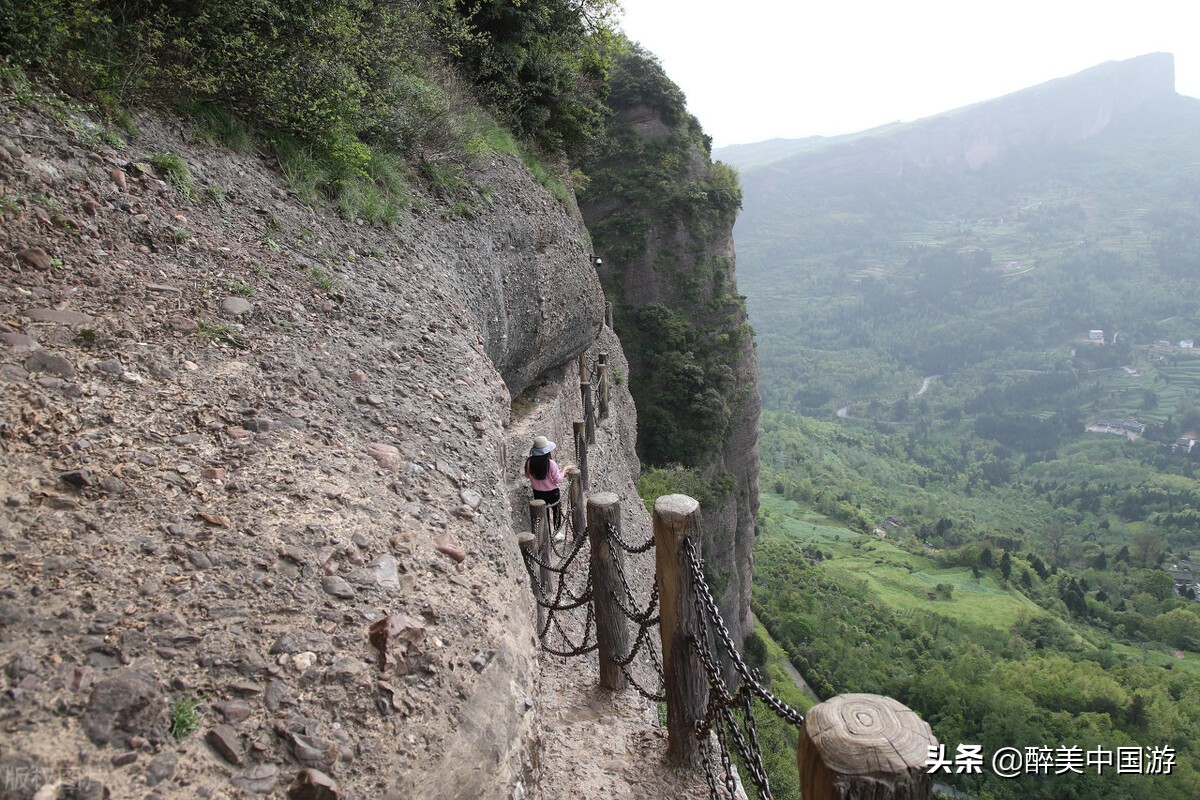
<point>589,741</point>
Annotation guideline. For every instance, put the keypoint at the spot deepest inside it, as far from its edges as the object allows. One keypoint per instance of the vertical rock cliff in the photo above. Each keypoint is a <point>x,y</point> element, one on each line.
<point>661,215</point>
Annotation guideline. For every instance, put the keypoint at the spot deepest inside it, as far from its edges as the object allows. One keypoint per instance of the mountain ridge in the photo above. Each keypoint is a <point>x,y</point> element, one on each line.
<point>1059,110</point>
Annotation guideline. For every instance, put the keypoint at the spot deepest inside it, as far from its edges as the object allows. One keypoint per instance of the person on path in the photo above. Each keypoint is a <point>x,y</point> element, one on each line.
<point>544,478</point>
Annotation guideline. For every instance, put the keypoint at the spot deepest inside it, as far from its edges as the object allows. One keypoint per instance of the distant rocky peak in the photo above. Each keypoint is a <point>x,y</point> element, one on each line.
<point>1060,111</point>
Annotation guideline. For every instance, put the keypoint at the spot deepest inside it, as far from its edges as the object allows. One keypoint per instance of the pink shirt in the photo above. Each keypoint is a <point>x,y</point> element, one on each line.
<point>551,481</point>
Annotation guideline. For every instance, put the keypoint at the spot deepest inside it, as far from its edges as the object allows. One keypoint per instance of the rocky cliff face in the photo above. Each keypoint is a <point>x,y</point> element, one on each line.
<point>662,214</point>
<point>259,474</point>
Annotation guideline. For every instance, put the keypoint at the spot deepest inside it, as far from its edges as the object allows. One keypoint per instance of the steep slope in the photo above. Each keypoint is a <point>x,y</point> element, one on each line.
<point>237,431</point>
<point>661,214</point>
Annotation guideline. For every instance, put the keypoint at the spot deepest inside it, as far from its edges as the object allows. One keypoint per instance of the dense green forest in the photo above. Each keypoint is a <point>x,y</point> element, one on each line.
<point>974,484</point>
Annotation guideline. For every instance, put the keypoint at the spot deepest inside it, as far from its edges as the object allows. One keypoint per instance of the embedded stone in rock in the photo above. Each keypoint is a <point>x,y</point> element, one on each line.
<point>257,424</point>
<point>396,636</point>
<point>45,361</point>
<point>298,641</point>
<point>471,498</point>
<point>235,711</point>
<point>447,544</point>
<point>260,779</point>
<point>112,366</point>
<point>113,485</point>
<point>236,306</point>
<point>314,752</point>
<point>124,701</point>
<point>58,316</point>
<point>19,342</point>
<point>78,477</point>
<point>36,258</point>
<point>160,768</point>
<point>385,455</point>
<point>385,571</point>
<point>337,587</point>
<point>224,740</point>
<point>312,784</point>
<point>276,695</point>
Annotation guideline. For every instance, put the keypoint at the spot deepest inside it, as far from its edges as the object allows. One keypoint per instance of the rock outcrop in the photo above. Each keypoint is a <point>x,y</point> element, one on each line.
<point>661,214</point>
<point>258,474</point>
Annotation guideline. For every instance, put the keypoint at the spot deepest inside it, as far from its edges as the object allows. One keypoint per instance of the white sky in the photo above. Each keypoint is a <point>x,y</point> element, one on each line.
<point>758,69</point>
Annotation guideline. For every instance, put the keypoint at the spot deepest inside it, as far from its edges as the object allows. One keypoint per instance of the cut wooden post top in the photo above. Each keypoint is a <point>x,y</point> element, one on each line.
<point>603,499</point>
<point>674,507</point>
<point>861,734</point>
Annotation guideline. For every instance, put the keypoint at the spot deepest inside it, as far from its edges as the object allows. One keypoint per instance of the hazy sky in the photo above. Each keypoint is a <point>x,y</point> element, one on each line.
<point>758,69</point>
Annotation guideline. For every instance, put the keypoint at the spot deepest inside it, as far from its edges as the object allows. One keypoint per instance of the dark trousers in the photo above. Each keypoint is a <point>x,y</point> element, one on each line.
<point>551,497</point>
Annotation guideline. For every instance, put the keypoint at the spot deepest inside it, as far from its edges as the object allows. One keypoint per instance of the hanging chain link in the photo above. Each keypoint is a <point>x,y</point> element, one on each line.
<point>615,535</point>
<point>751,676</point>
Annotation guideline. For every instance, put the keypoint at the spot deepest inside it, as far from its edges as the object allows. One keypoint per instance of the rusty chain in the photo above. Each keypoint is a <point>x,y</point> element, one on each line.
<point>751,677</point>
<point>719,717</point>
<point>615,535</point>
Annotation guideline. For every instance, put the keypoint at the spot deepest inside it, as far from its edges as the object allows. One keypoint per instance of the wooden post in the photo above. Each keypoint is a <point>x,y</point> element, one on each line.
<point>589,412</point>
<point>612,637</point>
<point>576,491</point>
<point>528,542</point>
<point>608,315</point>
<point>581,453</point>
<point>676,520</point>
<point>583,376</point>
<point>539,524</point>
<point>864,746</point>
<point>602,391</point>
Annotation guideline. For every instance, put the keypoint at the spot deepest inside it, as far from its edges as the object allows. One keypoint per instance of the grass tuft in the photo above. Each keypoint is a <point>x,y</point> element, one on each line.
<point>185,717</point>
<point>174,171</point>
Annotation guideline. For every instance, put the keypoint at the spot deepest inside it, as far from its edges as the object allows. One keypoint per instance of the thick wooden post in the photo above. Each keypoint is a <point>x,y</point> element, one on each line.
<point>864,746</point>
<point>589,413</point>
<point>612,637</point>
<point>677,519</point>
<point>602,383</point>
<point>583,376</point>
<point>528,543</point>
<point>581,453</point>
<point>539,524</point>
<point>608,315</point>
<point>575,488</point>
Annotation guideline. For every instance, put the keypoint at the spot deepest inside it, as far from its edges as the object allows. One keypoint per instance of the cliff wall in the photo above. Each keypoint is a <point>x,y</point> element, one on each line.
<point>237,431</point>
<point>661,214</point>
